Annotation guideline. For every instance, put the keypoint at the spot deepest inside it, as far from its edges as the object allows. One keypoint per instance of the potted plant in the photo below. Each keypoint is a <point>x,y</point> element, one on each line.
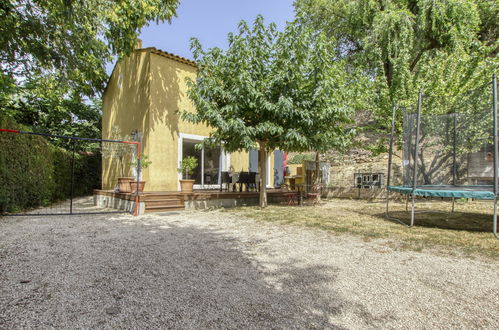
<point>144,163</point>
<point>122,152</point>
<point>187,166</point>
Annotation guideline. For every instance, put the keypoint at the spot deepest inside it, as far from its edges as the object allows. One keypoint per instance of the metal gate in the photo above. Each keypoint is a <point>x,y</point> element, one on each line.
<point>73,175</point>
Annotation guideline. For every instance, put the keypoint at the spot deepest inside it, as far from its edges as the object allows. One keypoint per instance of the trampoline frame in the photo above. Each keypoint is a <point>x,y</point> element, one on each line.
<point>416,149</point>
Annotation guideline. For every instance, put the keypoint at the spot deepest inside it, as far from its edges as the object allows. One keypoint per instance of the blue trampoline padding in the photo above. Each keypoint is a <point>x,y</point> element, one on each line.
<point>477,192</point>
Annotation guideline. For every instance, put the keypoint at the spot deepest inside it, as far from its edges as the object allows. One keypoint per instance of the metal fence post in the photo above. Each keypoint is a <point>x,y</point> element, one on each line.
<point>390,151</point>
<point>72,178</point>
<point>416,147</point>
<point>496,145</point>
<point>139,169</point>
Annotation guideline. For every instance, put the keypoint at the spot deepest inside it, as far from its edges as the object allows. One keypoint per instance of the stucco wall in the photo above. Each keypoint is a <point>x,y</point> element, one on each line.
<point>125,106</point>
<point>168,96</point>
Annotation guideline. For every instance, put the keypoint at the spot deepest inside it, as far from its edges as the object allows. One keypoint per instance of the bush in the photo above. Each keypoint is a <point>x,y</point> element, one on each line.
<point>300,158</point>
<point>35,173</point>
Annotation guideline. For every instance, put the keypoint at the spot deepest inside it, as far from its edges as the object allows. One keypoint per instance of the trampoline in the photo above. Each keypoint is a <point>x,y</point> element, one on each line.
<point>450,191</point>
<point>451,153</point>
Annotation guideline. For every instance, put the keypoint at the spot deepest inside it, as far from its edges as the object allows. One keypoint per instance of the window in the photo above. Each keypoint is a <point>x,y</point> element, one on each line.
<point>368,180</point>
<point>210,161</point>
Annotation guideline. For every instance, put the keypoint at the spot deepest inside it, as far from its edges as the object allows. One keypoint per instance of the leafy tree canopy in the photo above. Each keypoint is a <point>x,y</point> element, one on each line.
<point>50,106</point>
<point>273,90</point>
<point>74,39</point>
<point>444,46</point>
<point>53,56</point>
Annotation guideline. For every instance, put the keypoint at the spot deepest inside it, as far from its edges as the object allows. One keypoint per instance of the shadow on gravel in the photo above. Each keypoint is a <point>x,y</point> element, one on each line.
<point>472,222</point>
<point>121,272</point>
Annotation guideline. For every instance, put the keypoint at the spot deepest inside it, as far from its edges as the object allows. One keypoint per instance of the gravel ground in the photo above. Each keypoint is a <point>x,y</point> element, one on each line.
<point>216,270</point>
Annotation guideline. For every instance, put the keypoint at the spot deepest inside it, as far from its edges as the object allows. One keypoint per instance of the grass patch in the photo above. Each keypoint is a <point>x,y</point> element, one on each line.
<point>467,232</point>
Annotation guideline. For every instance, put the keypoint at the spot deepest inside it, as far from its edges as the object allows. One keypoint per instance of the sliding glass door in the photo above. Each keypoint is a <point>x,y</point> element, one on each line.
<point>211,166</point>
<point>210,163</point>
<point>189,150</point>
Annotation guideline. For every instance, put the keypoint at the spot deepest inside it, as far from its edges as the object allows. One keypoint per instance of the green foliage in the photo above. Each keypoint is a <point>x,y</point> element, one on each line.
<point>119,151</point>
<point>275,90</point>
<point>45,104</point>
<point>53,57</point>
<point>284,90</point>
<point>144,162</point>
<point>26,171</point>
<point>445,47</point>
<point>300,158</point>
<point>87,172</point>
<point>74,39</point>
<point>35,173</point>
<point>187,166</point>
<point>61,164</point>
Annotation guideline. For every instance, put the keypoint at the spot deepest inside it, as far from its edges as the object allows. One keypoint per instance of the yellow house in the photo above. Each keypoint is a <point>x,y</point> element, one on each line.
<point>144,94</point>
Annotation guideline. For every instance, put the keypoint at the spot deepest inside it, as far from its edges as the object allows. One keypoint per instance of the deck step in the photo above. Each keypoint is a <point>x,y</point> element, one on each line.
<point>161,197</point>
<point>164,208</point>
<point>159,202</point>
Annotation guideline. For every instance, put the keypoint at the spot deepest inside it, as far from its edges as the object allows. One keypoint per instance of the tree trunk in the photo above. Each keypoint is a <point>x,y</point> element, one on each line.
<point>317,169</point>
<point>317,176</point>
<point>262,168</point>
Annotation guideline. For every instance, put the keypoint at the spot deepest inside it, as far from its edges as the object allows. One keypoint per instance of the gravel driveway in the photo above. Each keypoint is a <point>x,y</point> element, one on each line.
<point>215,270</point>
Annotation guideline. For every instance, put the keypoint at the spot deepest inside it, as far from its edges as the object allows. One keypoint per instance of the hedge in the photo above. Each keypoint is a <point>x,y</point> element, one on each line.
<point>35,173</point>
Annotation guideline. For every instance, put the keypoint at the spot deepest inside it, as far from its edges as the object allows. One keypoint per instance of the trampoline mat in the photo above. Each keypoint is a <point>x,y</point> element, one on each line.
<point>477,192</point>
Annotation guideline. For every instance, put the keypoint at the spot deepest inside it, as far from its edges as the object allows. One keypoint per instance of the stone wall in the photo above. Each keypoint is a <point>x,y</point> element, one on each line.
<point>344,167</point>
<point>114,201</point>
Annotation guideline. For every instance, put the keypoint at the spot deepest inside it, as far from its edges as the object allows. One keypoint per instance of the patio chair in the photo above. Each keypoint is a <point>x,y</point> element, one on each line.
<point>225,179</point>
<point>243,180</point>
<point>252,181</point>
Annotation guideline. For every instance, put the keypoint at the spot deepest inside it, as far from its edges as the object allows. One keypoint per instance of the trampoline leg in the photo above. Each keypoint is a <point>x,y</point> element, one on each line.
<point>387,200</point>
<point>412,213</point>
<point>453,199</point>
<point>494,230</point>
<point>407,203</point>
<point>400,220</point>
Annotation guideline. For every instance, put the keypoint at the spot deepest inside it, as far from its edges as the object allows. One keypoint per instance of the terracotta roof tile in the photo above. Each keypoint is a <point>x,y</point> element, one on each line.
<point>171,56</point>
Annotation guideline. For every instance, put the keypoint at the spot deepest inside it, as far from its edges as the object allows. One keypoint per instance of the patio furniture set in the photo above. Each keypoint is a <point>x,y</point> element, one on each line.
<point>234,180</point>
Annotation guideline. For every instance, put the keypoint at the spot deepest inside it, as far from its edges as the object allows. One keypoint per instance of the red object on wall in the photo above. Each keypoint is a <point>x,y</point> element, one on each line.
<point>9,130</point>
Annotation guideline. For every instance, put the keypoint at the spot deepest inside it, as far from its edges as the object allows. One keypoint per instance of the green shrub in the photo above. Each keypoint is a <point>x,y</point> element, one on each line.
<point>35,173</point>
<point>61,173</point>
<point>300,158</point>
<point>87,176</point>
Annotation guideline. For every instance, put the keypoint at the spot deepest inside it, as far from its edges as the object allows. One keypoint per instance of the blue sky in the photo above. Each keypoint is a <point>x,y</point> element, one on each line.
<point>210,21</point>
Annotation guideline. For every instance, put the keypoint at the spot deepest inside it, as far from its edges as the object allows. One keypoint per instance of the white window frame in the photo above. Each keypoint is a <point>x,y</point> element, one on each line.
<point>269,185</point>
<point>223,161</point>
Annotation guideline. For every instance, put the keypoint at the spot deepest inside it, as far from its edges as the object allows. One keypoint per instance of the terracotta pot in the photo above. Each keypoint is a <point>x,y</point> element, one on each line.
<point>133,186</point>
<point>124,184</point>
<point>186,186</point>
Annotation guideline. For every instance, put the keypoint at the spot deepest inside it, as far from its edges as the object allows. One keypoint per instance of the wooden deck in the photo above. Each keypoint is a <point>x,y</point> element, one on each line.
<point>161,201</point>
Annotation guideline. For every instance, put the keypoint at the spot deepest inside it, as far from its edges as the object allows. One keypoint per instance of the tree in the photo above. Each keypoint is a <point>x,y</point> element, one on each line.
<point>401,43</point>
<point>272,90</point>
<point>446,47</point>
<point>53,56</point>
<point>49,106</point>
<point>74,39</point>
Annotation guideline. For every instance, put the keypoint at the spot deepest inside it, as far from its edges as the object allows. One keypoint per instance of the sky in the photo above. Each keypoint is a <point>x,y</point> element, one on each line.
<point>210,21</point>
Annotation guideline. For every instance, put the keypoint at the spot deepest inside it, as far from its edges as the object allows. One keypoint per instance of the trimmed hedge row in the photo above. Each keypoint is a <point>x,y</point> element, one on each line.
<point>35,173</point>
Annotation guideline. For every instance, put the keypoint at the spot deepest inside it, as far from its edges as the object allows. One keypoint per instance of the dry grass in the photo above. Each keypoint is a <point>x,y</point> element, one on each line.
<point>466,232</point>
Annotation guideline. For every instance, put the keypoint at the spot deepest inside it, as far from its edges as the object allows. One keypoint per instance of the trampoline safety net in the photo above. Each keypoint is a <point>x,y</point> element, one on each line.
<point>454,150</point>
